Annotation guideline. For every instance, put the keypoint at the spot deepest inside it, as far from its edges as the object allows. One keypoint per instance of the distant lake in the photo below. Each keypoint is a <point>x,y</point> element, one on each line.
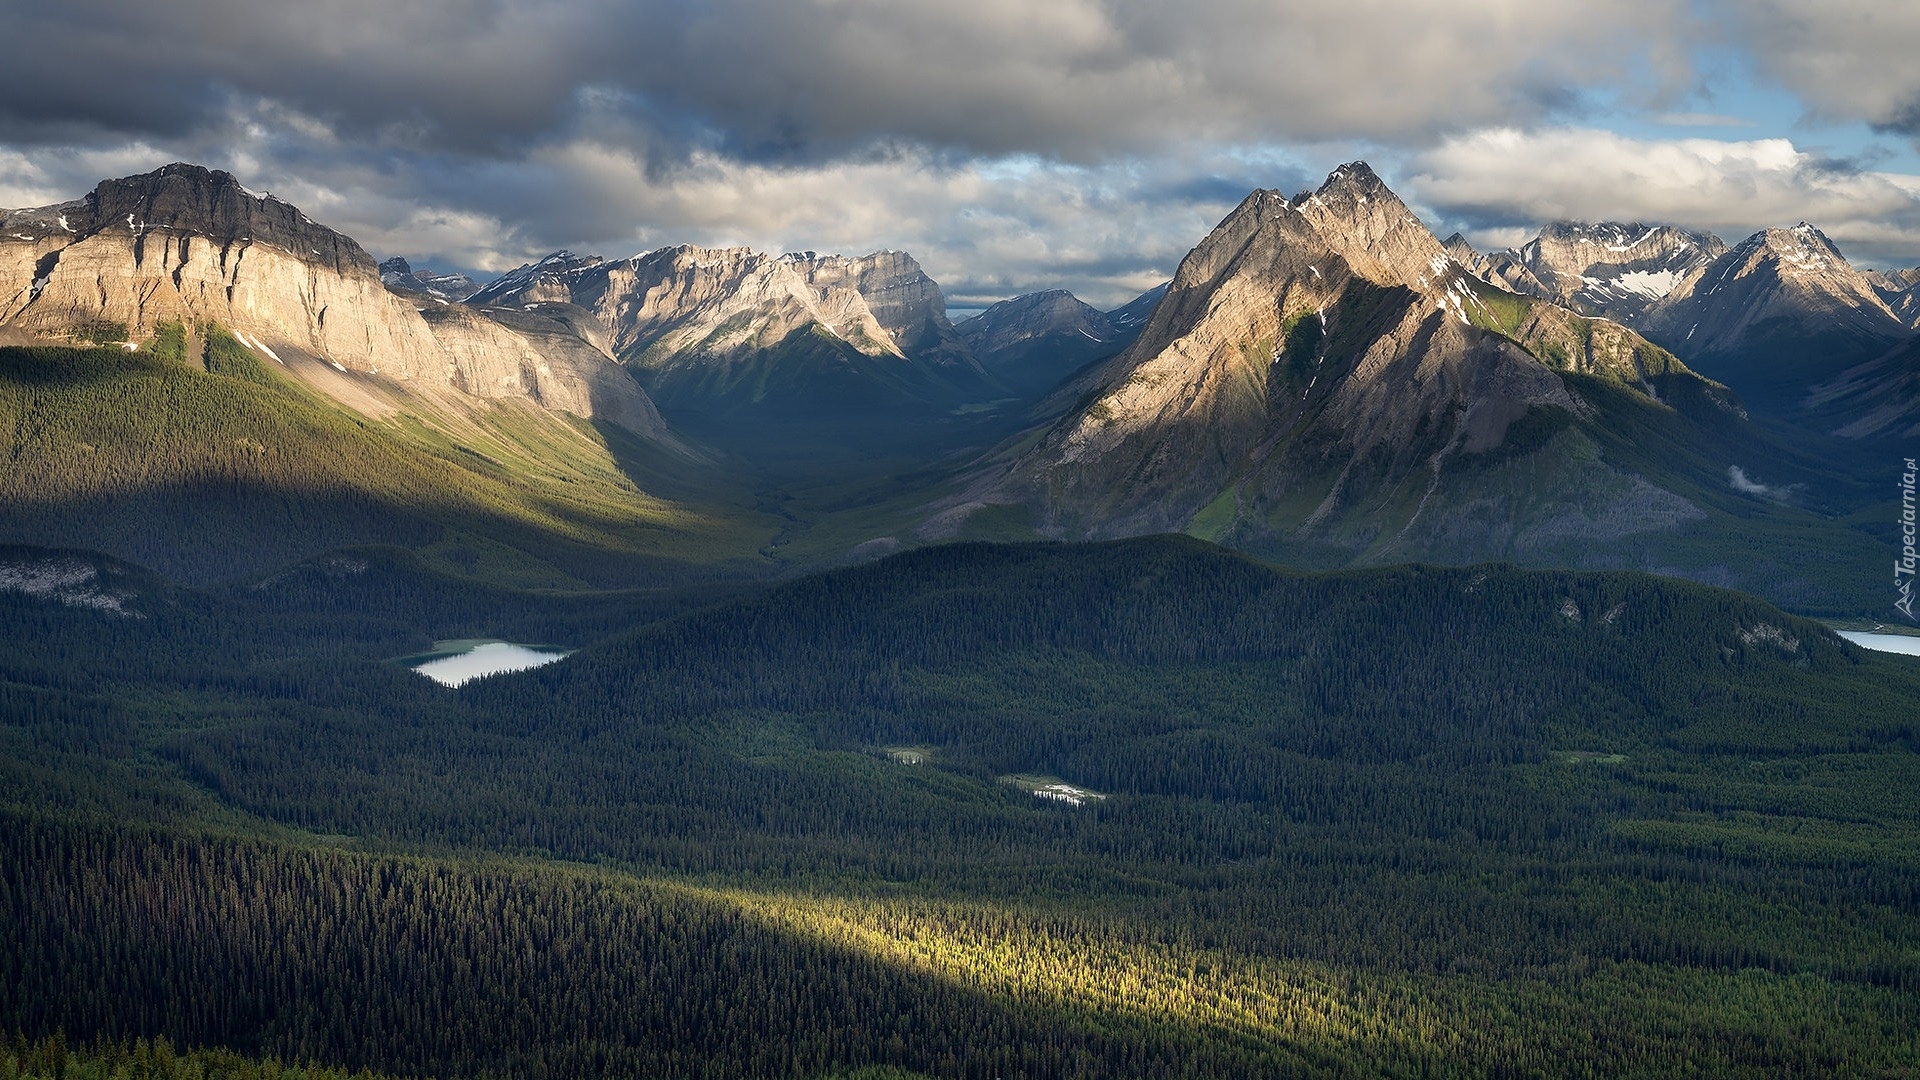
<point>454,662</point>
<point>1900,643</point>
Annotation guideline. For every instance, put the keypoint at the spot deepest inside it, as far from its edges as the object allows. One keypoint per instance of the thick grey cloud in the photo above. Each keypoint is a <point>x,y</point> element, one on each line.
<point>1012,145</point>
<point>798,79</point>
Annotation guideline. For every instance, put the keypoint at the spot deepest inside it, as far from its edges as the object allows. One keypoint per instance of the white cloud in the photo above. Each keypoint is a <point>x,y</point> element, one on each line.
<point>986,229</point>
<point>1503,177</point>
<point>1738,479</point>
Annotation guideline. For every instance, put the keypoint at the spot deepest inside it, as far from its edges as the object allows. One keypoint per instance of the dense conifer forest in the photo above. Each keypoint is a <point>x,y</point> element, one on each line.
<point>1410,821</point>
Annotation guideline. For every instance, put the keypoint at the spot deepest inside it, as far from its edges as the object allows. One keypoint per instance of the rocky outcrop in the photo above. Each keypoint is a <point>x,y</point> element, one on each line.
<point>1613,270</point>
<point>185,244</point>
<point>1322,376</point>
<point>1032,342</point>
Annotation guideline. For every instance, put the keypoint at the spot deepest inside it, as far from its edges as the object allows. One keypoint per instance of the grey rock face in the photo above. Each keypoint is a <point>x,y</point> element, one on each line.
<point>905,302</point>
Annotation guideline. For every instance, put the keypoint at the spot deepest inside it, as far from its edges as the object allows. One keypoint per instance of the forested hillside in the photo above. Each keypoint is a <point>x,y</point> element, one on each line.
<point>1413,820</point>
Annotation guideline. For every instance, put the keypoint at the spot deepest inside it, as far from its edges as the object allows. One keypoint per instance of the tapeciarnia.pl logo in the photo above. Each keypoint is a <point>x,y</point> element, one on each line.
<point>1903,567</point>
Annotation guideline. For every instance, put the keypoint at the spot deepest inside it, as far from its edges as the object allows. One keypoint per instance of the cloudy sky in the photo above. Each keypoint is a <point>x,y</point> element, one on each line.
<point>1012,145</point>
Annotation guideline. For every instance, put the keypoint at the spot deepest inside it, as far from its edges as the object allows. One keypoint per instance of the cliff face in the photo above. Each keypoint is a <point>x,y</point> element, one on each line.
<point>543,357</point>
<point>187,244</point>
<point>906,303</point>
<point>1323,376</point>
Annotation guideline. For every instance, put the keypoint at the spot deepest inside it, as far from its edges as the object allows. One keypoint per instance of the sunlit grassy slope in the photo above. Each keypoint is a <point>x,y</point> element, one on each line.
<point>223,470</point>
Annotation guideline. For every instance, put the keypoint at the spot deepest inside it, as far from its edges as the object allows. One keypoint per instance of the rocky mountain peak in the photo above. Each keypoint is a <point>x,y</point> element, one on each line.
<point>193,245</point>
<point>1366,223</point>
<point>537,282</point>
<point>1033,315</point>
<point>733,327</point>
<point>901,296</point>
<point>1802,249</point>
<point>191,200</point>
<point>1355,181</point>
<point>1779,313</point>
<point>399,275</point>
<point>1324,376</point>
<point>1033,341</point>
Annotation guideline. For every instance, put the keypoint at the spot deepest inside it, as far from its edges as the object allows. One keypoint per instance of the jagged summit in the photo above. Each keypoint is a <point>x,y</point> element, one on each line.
<point>1462,251</point>
<point>1613,269</point>
<point>535,282</point>
<point>1361,219</point>
<point>185,200</point>
<point>1802,249</point>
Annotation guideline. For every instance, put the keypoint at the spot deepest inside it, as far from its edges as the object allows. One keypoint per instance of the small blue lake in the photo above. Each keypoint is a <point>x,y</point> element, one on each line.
<point>454,662</point>
<point>1900,643</point>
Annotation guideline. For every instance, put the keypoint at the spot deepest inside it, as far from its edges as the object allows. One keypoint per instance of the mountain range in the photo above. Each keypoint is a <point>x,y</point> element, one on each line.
<point>1780,316</point>
<point>803,789</point>
<point>1323,381</point>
